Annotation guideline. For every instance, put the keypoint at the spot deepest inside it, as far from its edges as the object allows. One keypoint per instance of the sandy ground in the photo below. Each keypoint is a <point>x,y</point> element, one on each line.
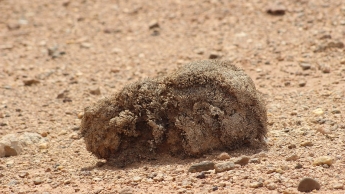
<point>55,55</point>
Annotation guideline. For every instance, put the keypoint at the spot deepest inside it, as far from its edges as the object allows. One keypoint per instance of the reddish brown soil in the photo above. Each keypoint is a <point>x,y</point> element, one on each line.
<point>55,54</point>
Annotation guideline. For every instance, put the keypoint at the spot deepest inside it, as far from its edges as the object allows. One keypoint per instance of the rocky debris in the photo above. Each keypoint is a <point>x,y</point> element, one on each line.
<point>256,184</point>
<point>254,160</point>
<point>13,26</point>
<point>215,55</point>
<point>325,68</point>
<point>221,167</point>
<point>31,82</point>
<point>206,105</point>
<point>201,175</point>
<point>38,181</point>
<point>202,166</point>
<point>95,91</point>
<point>293,157</point>
<point>308,184</point>
<point>276,9</point>
<point>12,144</point>
<point>305,66</point>
<point>323,160</point>
<point>223,156</point>
<point>302,83</point>
<point>318,111</point>
<point>153,24</point>
<point>307,144</point>
<point>54,52</point>
<point>338,186</point>
<point>243,160</point>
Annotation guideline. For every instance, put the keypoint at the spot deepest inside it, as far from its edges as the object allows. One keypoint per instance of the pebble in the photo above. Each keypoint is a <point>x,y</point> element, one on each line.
<point>10,145</point>
<point>137,179</point>
<point>186,184</point>
<point>13,26</point>
<point>95,91</point>
<point>23,174</point>
<point>43,145</point>
<point>74,135</point>
<point>126,191</point>
<point>294,157</point>
<point>302,83</point>
<point>214,55</point>
<point>335,111</point>
<point>308,184</point>
<point>44,134</point>
<point>223,156</point>
<point>255,160</point>
<point>221,167</point>
<point>201,175</point>
<point>324,160</point>
<point>30,82</point>
<point>203,166</point>
<point>85,45</point>
<point>243,160</point>
<point>38,181</point>
<point>153,24</point>
<point>325,68</point>
<point>63,132</point>
<point>305,66</point>
<point>338,186</point>
<point>271,186</point>
<point>256,184</point>
<point>298,166</point>
<point>291,146</point>
<point>307,143</point>
<point>80,115</point>
<point>276,10</point>
<point>318,111</point>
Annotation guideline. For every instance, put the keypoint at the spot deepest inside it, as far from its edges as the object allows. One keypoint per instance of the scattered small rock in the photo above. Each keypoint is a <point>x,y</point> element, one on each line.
<point>80,115</point>
<point>338,186</point>
<point>153,24</point>
<point>203,166</point>
<point>43,145</point>
<point>214,188</point>
<point>302,83</point>
<point>271,186</point>
<point>276,10</point>
<point>298,166</point>
<point>221,167</point>
<point>243,160</point>
<point>215,55</point>
<point>292,146</point>
<point>294,157</point>
<point>325,68</point>
<point>335,111</point>
<point>30,82</point>
<point>85,45</point>
<point>23,174</point>
<point>74,135</point>
<point>307,143</point>
<point>324,160</point>
<point>318,111</point>
<point>13,26</point>
<point>305,66</point>
<point>254,160</point>
<point>38,181</point>
<point>54,52</point>
<point>308,184</point>
<point>95,91</point>
<point>223,156</point>
<point>137,179</point>
<point>201,175</point>
<point>256,184</point>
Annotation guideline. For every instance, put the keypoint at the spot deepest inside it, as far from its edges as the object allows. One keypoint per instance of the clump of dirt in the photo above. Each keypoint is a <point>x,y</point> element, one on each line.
<point>204,106</point>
